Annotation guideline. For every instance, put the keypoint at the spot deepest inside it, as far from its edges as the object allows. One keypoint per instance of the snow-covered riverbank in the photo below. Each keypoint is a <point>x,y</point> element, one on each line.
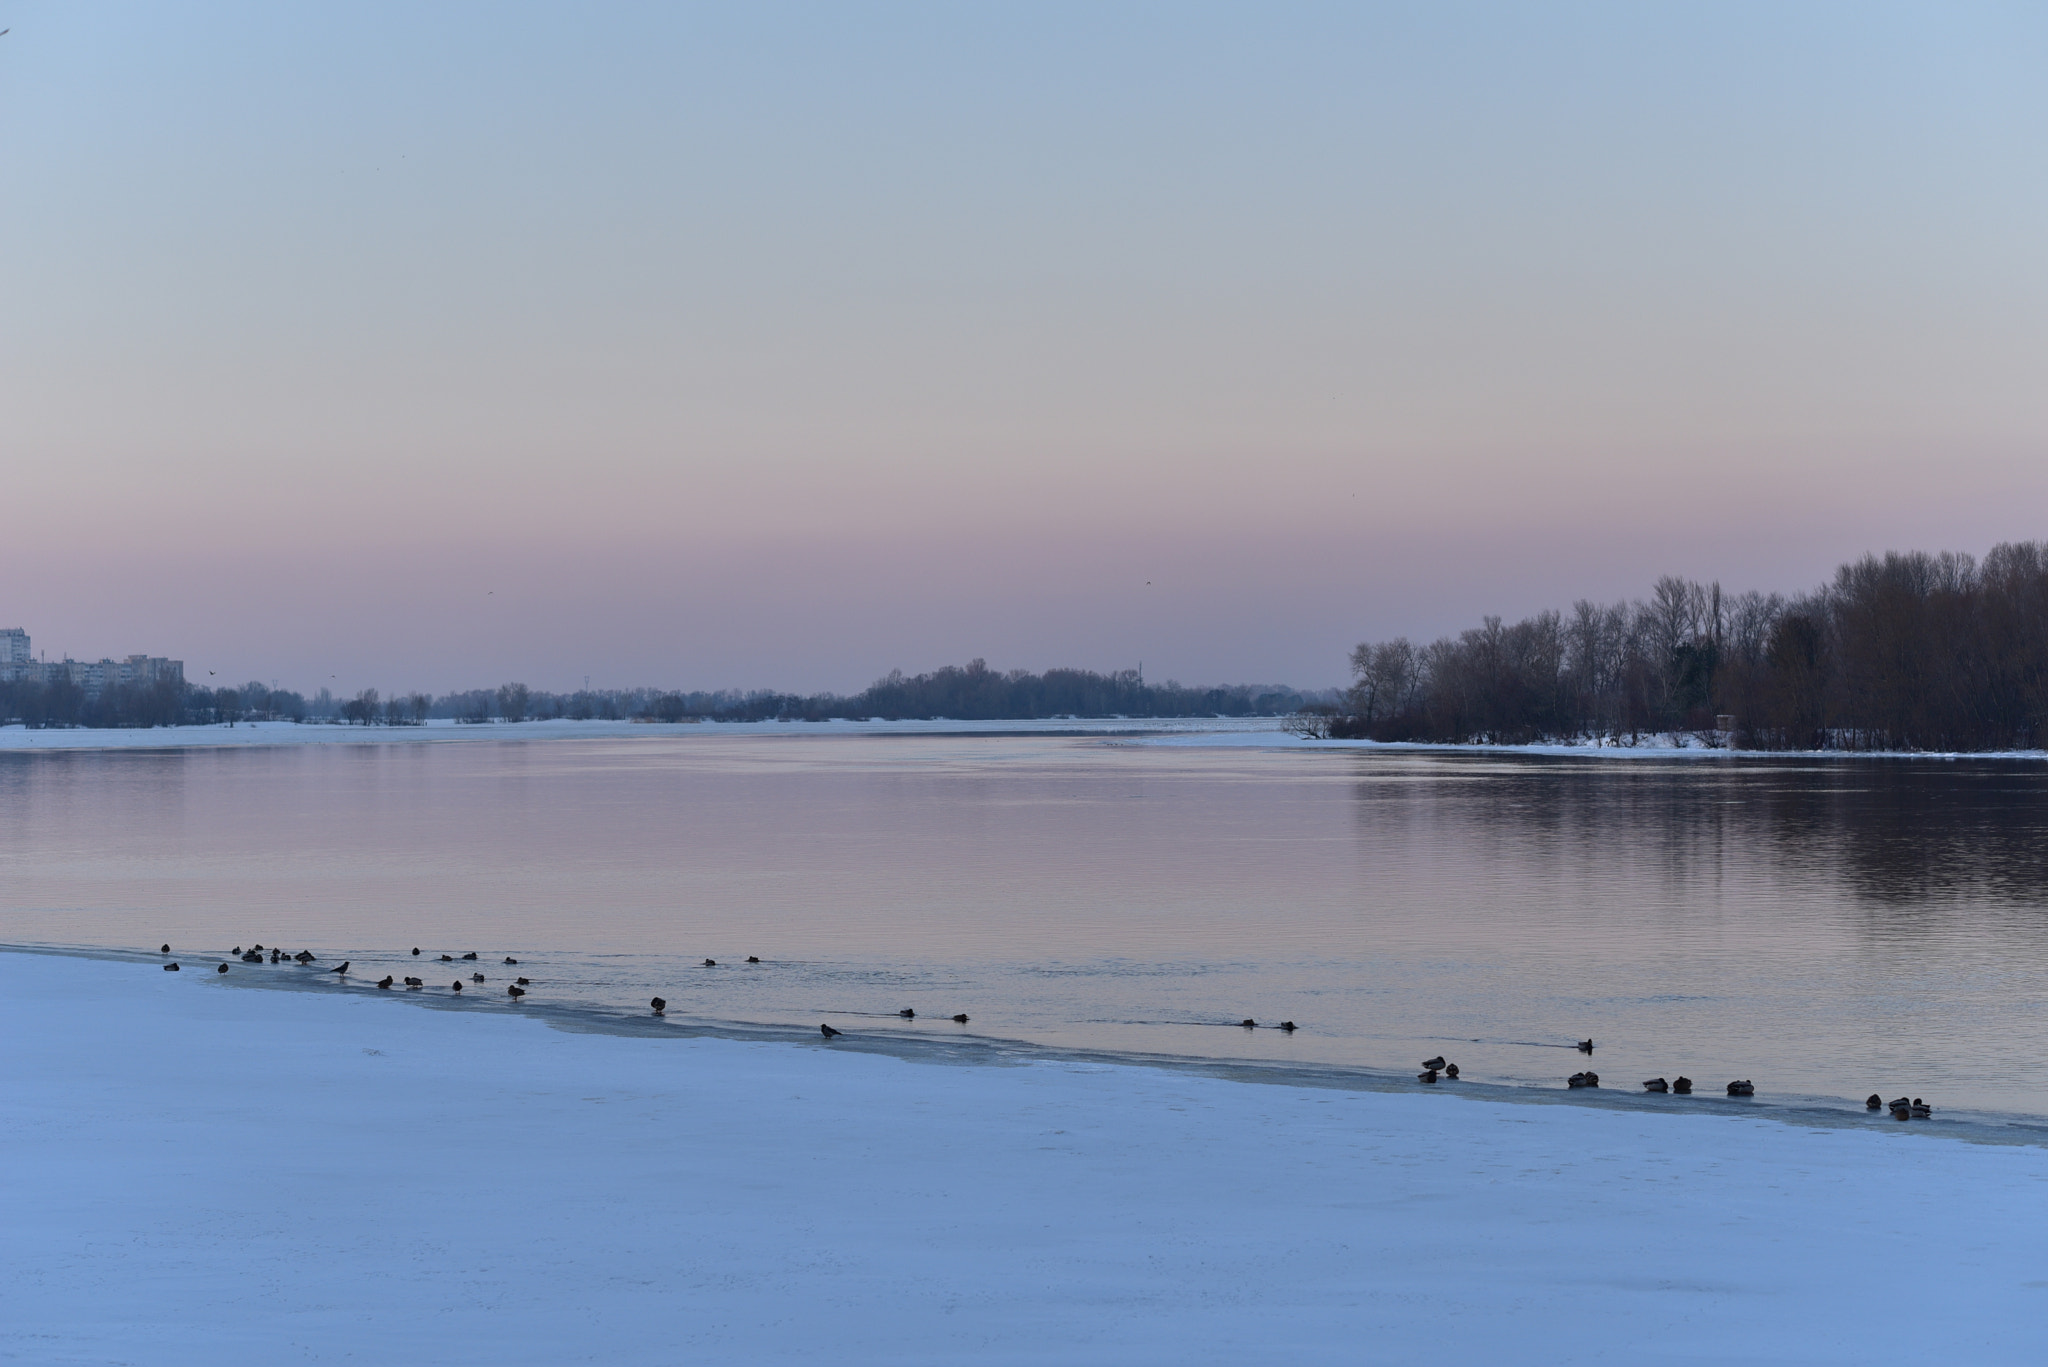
<point>1266,733</point>
<point>322,733</point>
<point>197,1173</point>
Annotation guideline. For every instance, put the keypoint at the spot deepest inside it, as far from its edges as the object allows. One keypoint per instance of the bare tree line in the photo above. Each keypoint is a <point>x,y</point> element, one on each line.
<point>1907,651</point>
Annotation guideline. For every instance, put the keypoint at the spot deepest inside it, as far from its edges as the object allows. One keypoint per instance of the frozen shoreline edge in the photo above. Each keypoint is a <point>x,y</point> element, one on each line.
<point>1263,733</point>
<point>1811,1112</point>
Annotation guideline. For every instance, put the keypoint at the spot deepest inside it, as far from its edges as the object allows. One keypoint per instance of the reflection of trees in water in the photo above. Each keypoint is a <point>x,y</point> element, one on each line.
<point>1892,834</point>
<point>1910,833</point>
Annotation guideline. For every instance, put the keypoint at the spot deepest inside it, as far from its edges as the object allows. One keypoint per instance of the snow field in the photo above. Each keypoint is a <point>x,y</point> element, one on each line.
<point>196,1173</point>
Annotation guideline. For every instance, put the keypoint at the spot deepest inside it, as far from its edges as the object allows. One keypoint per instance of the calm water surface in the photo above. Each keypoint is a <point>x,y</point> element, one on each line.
<point>1823,928</point>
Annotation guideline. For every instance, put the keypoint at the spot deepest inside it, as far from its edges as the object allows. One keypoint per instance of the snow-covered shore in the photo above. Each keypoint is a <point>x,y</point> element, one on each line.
<point>198,1173</point>
<point>1266,733</point>
<point>322,733</point>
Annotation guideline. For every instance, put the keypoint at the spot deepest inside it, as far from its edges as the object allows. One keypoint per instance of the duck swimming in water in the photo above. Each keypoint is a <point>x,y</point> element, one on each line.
<point>470,955</point>
<point>1585,1046</point>
<point>960,1019</point>
<point>476,977</point>
<point>907,1014</point>
<point>711,963</point>
<point>510,960</point>
<point>753,958</point>
<point>524,983</point>
<point>1287,1026</point>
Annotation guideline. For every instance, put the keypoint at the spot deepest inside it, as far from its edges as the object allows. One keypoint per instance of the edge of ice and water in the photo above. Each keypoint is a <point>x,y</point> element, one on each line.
<point>1263,733</point>
<point>1816,1112</point>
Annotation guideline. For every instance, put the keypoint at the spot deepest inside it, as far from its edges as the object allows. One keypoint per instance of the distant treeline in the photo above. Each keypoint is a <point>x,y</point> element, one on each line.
<point>971,693</point>
<point>1900,652</point>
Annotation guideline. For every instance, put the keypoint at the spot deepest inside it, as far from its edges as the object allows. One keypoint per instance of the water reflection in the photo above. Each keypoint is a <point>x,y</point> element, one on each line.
<point>1829,928</point>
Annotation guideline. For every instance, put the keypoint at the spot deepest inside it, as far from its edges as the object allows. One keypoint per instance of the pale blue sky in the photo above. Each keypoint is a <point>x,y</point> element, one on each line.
<point>782,345</point>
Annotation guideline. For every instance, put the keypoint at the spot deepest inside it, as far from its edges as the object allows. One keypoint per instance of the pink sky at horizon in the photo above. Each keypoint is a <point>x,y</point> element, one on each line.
<point>784,346</point>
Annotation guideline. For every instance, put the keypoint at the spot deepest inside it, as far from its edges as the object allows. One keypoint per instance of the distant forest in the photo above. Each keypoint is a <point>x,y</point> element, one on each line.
<point>1899,652</point>
<point>970,693</point>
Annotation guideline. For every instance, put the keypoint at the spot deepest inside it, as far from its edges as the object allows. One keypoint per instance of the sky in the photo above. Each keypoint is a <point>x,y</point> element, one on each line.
<point>781,345</point>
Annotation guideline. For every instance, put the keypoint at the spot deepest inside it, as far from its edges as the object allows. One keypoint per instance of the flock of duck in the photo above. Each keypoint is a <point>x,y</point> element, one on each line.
<point>1902,1108</point>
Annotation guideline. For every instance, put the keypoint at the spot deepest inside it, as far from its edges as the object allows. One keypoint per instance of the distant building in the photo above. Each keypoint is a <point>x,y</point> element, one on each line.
<point>93,677</point>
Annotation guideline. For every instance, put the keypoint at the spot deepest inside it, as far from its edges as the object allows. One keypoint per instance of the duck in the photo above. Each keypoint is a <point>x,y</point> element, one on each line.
<point>457,984</point>
<point>1583,1080</point>
<point>1249,1024</point>
<point>960,1019</point>
<point>304,956</point>
<point>1656,1084</point>
<point>1921,1110</point>
<point>828,1032</point>
<point>470,955</point>
<point>236,951</point>
<point>414,982</point>
<point>476,977</point>
<point>342,969</point>
<point>222,969</point>
<point>165,950</point>
<point>1436,1062</point>
<point>1288,1026</point>
<point>170,968</point>
<point>1873,1102</point>
<point>257,948</point>
<point>1742,1088</point>
<point>384,981</point>
<point>711,963</point>
<point>252,957</point>
<point>1451,1071</point>
<point>753,958</point>
<point>659,1004</point>
<point>1585,1046</point>
<point>1902,1108</point>
<point>907,1014</point>
<point>524,983</point>
<point>1426,1075</point>
<point>1682,1086</point>
<point>514,991</point>
<point>447,958</point>
<point>415,951</point>
<point>510,960</point>
<point>277,956</point>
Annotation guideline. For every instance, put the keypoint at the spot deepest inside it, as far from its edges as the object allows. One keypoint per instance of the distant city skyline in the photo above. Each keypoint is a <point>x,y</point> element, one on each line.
<point>764,346</point>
